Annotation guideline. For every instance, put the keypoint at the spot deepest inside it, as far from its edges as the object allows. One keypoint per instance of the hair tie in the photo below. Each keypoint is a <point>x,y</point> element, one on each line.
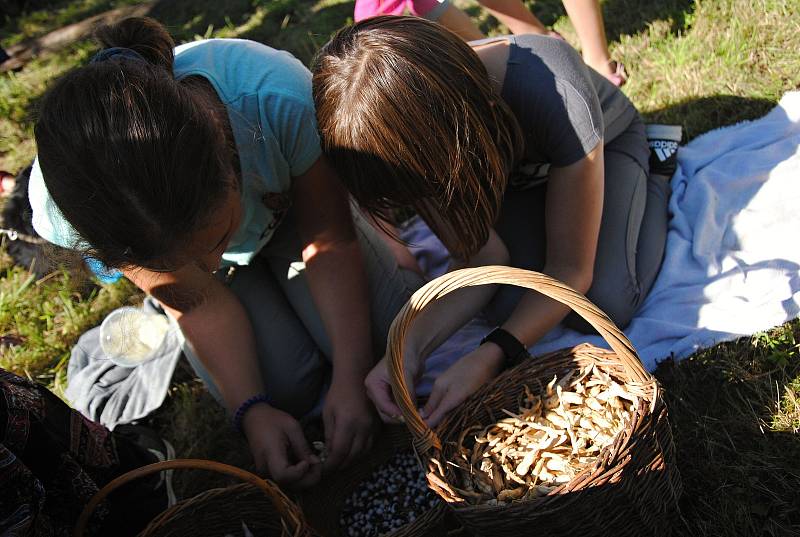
<point>117,53</point>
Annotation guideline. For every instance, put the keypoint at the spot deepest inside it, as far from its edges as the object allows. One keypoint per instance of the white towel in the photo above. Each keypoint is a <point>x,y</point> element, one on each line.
<point>732,261</point>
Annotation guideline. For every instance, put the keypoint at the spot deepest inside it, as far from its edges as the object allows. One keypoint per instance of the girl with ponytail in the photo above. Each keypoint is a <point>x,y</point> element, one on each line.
<point>197,171</point>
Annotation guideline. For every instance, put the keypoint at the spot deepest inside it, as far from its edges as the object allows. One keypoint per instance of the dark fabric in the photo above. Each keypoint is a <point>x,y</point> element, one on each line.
<point>53,460</point>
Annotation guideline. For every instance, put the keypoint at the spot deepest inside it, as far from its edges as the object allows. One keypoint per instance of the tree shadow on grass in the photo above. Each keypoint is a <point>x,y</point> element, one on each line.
<point>740,477</point>
<point>305,30</point>
<point>298,26</point>
<point>14,13</point>
<point>699,115</point>
<point>630,17</point>
<point>186,20</point>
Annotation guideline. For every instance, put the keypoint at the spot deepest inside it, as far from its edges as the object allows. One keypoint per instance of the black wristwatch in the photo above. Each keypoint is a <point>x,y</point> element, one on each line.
<point>513,349</point>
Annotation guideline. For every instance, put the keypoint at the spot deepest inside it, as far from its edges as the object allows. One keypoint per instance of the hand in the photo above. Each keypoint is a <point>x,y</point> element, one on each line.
<point>349,420</point>
<point>279,447</point>
<point>379,388</point>
<point>462,379</point>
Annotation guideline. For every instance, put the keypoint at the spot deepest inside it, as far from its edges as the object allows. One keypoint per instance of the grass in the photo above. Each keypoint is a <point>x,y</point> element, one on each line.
<point>734,408</point>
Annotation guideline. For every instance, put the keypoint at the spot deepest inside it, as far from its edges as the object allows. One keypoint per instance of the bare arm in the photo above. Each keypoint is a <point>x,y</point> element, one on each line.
<point>575,190</point>
<point>513,13</point>
<point>338,284</point>
<point>573,211</point>
<point>444,317</point>
<point>215,323</point>
<point>433,326</point>
<point>334,265</point>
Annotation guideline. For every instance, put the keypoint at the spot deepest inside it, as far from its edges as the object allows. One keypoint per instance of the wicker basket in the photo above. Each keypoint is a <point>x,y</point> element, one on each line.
<point>324,503</point>
<point>634,486</point>
<point>259,503</point>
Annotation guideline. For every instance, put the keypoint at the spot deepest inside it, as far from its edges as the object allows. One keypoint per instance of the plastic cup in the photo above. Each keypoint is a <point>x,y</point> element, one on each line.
<point>130,336</point>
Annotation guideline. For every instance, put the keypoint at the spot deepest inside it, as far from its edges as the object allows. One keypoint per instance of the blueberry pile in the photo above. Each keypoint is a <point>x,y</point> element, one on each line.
<point>391,497</point>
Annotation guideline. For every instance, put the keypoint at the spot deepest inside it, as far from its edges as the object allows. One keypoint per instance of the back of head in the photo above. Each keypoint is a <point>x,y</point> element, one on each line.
<point>408,117</point>
<point>134,159</point>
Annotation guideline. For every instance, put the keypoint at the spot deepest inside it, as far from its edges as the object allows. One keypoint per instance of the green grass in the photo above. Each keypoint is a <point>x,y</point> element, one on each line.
<point>734,408</point>
<point>41,319</point>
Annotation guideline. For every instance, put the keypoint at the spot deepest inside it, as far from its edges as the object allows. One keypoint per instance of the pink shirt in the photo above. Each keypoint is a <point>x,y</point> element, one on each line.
<point>430,9</point>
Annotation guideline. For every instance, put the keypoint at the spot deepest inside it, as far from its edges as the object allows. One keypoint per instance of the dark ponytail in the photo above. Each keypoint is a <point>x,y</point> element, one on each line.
<point>135,160</point>
<point>143,35</point>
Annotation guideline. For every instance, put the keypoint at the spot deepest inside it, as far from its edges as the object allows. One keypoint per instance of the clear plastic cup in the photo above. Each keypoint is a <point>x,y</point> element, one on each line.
<point>130,336</point>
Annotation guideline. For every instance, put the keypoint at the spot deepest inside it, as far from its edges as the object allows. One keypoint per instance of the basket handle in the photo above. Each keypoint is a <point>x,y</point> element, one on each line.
<point>278,499</point>
<point>424,438</point>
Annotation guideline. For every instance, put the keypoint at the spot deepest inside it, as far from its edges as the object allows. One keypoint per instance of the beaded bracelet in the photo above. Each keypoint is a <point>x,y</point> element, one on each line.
<point>238,416</point>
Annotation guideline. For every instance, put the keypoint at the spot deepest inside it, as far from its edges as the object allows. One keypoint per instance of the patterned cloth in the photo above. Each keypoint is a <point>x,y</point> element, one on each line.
<point>53,460</point>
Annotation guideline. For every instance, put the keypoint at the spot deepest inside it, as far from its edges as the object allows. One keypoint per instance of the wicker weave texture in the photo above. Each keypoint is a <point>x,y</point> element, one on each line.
<point>258,502</point>
<point>632,489</point>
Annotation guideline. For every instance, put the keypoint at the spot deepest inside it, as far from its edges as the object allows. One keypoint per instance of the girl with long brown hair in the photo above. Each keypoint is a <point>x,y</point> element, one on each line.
<point>513,152</point>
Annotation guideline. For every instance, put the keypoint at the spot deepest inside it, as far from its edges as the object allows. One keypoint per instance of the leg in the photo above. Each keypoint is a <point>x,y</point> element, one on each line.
<point>291,364</point>
<point>390,286</point>
<point>448,15</point>
<point>586,17</point>
<point>633,231</point>
<point>632,234</point>
<point>515,16</point>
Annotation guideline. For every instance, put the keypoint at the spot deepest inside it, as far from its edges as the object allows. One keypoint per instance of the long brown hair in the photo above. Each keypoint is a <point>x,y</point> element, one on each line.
<point>409,118</point>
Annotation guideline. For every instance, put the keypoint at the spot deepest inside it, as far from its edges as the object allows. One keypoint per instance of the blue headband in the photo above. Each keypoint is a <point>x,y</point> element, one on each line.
<point>116,53</point>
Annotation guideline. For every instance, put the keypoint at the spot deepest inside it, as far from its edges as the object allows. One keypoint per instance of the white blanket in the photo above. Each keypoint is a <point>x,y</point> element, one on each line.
<point>732,261</point>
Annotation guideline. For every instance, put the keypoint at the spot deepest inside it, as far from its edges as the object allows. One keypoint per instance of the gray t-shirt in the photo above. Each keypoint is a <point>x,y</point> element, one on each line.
<point>563,107</point>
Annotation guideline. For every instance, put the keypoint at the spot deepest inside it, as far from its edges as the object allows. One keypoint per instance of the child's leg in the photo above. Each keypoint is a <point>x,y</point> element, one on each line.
<point>518,18</point>
<point>587,19</point>
<point>371,8</point>
<point>521,226</point>
<point>632,234</point>
<point>448,16</point>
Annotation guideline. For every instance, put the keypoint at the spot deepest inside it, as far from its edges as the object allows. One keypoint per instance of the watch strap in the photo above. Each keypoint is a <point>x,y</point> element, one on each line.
<point>513,349</point>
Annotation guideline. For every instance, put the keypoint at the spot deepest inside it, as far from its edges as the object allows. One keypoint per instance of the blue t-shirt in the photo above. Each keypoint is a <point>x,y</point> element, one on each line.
<point>267,94</point>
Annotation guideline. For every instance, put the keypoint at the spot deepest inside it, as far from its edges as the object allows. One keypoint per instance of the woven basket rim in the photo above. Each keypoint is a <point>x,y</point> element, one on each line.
<point>287,511</point>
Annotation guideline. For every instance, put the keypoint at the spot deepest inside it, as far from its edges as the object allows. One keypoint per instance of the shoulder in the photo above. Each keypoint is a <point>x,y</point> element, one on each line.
<point>242,67</point>
<point>549,56</point>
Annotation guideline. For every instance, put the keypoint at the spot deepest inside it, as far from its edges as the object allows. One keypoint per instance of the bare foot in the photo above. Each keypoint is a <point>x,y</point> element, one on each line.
<point>613,71</point>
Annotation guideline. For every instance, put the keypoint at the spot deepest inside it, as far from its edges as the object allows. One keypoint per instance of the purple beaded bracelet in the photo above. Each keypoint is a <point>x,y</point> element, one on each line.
<point>238,416</point>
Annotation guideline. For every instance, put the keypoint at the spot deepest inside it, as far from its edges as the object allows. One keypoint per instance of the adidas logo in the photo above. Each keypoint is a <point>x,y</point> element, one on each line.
<point>664,148</point>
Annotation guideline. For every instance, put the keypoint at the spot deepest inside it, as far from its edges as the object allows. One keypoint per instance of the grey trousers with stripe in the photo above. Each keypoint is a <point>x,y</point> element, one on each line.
<point>633,233</point>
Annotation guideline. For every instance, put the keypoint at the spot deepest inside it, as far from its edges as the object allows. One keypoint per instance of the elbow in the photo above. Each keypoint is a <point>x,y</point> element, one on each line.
<point>582,281</point>
<point>494,252</point>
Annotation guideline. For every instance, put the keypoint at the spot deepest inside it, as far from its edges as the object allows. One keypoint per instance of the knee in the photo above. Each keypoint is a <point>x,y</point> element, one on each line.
<point>619,304</point>
<point>294,381</point>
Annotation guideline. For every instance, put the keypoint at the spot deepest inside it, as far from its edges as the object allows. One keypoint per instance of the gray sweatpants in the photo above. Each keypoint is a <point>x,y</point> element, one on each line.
<point>291,343</point>
<point>633,233</point>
